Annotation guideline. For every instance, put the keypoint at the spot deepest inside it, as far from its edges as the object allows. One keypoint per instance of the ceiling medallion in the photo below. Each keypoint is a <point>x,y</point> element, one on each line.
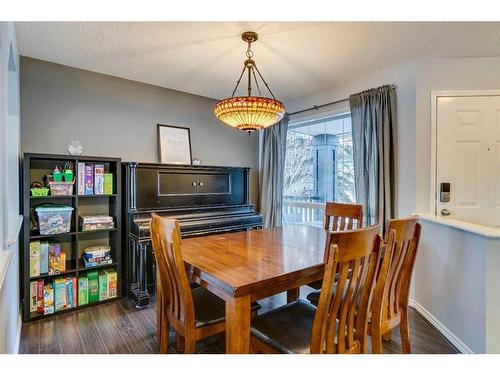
<point>250,113</point>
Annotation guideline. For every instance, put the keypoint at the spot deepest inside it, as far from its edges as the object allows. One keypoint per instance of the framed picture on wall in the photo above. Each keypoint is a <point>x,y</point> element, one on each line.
<point>174,144</point>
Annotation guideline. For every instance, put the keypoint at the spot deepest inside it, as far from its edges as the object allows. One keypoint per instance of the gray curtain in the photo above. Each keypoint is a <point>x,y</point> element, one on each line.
<point>374,124</point>
<point>272,172</point>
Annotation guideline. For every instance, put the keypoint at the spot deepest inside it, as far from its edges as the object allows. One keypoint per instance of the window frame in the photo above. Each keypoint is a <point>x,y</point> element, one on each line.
<point>315,210</point>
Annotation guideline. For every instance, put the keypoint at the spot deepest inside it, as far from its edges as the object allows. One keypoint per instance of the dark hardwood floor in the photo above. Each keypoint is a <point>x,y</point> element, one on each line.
<point>118,327</point>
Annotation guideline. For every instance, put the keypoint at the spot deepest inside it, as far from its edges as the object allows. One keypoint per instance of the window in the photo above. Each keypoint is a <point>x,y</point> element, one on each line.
<point>319,168</point>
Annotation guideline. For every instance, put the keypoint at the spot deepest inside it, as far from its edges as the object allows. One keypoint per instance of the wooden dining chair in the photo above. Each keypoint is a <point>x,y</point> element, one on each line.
<point>338,217</point>
<point>193,313</point>
<point>343,216</point>
<point>390,298</point>
<point>299,327</point>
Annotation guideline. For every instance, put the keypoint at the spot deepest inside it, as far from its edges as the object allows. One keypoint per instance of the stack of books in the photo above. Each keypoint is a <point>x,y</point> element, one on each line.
<point>55,295</point>
<point>46,258</point>
<point>96,222</point>
<point>96,256</point>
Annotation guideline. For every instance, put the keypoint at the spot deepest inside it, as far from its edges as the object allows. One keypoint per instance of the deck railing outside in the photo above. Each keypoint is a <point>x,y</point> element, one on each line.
<point>305,211</point>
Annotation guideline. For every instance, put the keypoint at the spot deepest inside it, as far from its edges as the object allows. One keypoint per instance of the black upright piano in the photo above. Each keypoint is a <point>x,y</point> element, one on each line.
<point>205,199</point>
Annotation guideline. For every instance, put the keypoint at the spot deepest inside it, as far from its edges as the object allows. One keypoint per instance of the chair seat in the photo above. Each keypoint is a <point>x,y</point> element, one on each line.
<point>313,297</point>
<point>210,309</point>
<point>287,328</point>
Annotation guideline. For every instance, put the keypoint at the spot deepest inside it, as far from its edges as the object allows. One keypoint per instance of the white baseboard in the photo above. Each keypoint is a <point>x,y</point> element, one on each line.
<point>18,339</point>
<point>454,340</point>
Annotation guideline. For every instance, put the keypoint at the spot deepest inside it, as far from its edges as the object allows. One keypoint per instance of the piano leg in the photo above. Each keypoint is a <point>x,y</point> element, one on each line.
<point>138,287</point>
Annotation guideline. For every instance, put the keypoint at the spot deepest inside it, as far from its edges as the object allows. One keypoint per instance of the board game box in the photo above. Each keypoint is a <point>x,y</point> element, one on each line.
<point>93,286</point>
<point>83,290</point>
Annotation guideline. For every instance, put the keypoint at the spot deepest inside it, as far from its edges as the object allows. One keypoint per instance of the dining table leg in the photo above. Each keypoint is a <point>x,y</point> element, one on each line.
<point>238,325</point>
<point>292,295</point>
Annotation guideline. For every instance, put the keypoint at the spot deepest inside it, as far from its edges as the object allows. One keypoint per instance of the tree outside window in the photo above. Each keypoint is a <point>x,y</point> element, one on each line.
<point>318,168</point>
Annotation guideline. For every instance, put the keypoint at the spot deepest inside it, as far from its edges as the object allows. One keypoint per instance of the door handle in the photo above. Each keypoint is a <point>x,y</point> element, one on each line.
<point>445,212</point>
<point>201,184</point>
<point>194,184</point>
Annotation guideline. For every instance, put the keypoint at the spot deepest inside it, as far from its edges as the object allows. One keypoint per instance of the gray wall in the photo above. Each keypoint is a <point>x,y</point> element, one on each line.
<point>117,117</point>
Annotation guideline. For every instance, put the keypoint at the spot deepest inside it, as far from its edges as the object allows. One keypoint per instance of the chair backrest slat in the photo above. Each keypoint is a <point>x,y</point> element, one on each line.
<point>394,276</point>
<point>343,216</point>
<point>341,321</point>
<point>175,289</point>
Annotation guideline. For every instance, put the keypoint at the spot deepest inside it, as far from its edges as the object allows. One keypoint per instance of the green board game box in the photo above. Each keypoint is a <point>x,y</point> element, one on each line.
<point>93,286</point>
<point>83,290</point>
<point>103,286</point>
<point>108,183</point>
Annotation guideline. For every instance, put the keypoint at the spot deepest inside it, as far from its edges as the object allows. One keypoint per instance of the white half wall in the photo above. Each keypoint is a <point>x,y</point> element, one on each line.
<point>449,282</point>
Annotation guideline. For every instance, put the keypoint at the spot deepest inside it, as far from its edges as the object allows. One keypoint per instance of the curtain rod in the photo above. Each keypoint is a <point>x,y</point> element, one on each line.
<point>316,107</point>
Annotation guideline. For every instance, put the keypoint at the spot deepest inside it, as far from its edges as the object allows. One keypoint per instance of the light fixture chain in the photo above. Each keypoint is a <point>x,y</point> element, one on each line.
<point>263,80</point>
<point>249,50</point>
<point>238,82</point>
<point>256,82</point>
<point>249,80</point>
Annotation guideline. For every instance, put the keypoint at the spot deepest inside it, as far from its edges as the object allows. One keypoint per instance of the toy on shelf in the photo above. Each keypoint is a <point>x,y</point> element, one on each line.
<point>57,175</point>
<point>97,256</point>
<point>54,219</point>
<point>56,184</point>
<point>68,172</point>
<point>61,183</point>
<point>37,189</point>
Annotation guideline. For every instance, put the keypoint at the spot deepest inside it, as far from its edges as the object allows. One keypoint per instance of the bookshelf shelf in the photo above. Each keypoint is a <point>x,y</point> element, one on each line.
<point>50,197</point>
<point>37,316</point>
<point>73,243</point>
<point>81,266</point>
<point>69,269</point>
<point>35,236</point>
<point>97,196</point>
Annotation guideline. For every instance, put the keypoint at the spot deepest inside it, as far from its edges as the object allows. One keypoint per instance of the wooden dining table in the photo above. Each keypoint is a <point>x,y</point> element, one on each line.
<point>243,267</point>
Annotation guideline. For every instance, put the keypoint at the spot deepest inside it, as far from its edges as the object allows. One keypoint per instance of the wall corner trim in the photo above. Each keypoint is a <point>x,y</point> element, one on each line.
<point>454,340</point>
<point>18,334</point>
<point>5,258</point>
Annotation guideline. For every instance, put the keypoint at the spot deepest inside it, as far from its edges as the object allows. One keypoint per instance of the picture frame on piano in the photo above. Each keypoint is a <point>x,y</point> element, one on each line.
<point>174,145</point>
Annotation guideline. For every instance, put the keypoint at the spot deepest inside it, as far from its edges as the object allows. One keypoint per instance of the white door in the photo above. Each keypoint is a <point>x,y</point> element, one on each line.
<point>468,158</point>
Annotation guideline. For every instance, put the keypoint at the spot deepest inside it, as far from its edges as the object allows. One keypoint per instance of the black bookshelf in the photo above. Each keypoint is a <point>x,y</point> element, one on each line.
<point>34,167</point>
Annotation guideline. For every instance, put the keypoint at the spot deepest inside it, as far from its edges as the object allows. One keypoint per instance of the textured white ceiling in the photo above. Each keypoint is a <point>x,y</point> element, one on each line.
<point>205,58</point>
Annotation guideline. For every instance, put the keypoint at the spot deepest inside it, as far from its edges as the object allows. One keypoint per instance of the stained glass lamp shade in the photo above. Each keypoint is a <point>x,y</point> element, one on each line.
<point>250,113</point>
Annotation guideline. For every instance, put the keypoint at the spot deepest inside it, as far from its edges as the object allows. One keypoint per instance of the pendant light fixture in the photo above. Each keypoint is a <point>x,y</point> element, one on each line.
<point>249,113</point>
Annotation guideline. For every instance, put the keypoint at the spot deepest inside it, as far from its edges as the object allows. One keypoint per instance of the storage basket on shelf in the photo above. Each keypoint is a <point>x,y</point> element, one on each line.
<point>54,219</point>
<point>61,188</point>
<point>39,192</point>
